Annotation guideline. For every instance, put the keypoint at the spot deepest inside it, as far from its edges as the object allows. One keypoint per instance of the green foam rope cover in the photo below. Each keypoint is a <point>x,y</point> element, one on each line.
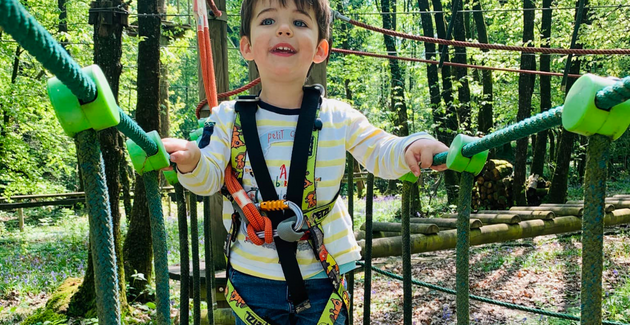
<point>456,161</point>
<point>171,176</point>
<point>142,163</point>
<point>581,115</point>
<point>99,114</point>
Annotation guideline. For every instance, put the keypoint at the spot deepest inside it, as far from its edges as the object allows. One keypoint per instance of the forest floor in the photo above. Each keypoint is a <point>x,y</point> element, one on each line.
<point>543,273</point>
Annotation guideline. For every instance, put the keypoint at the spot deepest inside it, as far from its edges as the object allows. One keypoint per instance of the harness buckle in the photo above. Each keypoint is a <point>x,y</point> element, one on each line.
<point>306,304</point>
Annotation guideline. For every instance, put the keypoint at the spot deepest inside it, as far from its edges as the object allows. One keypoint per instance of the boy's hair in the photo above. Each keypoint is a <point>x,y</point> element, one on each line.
<point>320,7</point>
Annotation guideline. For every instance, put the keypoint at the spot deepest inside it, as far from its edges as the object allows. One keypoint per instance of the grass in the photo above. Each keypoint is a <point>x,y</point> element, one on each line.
<point>34,262</point>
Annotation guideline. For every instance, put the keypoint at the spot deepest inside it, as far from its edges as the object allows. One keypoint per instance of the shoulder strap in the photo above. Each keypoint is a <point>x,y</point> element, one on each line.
<point>302,143</point>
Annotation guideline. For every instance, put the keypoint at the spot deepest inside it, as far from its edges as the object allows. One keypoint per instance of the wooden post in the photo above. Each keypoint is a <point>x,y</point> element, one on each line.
<point>217,28</point>
<point>21,218</point>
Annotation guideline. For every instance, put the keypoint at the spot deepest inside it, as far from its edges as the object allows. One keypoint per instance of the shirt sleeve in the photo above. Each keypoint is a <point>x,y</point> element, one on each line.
<point>208,177</point>
<point>382,153</point>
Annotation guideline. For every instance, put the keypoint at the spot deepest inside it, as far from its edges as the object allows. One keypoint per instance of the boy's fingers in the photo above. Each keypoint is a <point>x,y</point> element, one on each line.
<point>172,145</point>
<point>426,160</point>
<point>412,162</point>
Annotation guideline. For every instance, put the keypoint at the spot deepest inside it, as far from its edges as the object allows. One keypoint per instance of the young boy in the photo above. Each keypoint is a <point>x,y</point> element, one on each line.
<point>262,139</point>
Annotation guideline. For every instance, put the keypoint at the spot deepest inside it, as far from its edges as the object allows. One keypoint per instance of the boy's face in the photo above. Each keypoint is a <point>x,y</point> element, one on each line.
<point>284,41</point>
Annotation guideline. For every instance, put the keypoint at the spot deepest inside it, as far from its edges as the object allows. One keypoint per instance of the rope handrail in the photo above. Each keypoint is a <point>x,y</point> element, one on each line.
<point>480,45</point>
<point>606,98</point>
<point>526,127</point>
<point>486,300</point>
<point>480,67</point>
<point>37,41</point>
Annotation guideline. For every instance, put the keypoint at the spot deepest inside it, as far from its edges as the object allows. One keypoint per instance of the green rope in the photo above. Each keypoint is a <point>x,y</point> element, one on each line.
<point>526,127</point>
<point>133,131</point>
<point>463,246</point>
<point>597,157</point>
<point>160,251</point>
<point>406,253</point>
<point>194,239</point>
<point>613,95</point>
<point>182,223</point>
<point>367,284</point>
<point>15,20</point>
<point>486,300</point>
<point>101,227</point>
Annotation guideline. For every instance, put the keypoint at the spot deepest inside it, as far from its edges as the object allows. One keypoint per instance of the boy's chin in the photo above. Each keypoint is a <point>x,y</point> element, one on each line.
<point>286,74</point>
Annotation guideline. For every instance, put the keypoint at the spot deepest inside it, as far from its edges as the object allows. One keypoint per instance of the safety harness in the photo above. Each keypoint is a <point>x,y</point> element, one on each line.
<point>283,222</point>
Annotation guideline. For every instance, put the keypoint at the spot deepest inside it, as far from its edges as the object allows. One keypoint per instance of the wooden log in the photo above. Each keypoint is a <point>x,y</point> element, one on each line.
<point>11,206</point>
<point>491,219</point>
<point>559,209</point>
<point>525,215</point>
<point>607,208</point>
<point>618,203</point>
<point>414,228</point>
<point>449,223</point>
<point>447,239</point>
<point>21,218</point>
<point>43,196</point>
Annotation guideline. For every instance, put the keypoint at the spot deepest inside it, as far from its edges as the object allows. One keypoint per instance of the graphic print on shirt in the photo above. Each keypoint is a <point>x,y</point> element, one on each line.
<point>275,136</point>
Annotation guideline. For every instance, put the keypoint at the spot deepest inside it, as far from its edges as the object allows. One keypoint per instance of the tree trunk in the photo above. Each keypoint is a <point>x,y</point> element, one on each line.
<point>107,53</point>
<point>485,116</point>
<point>525,91</point>
<point>451,178</point>
<point>540,150</point>
<point>62,27</point>
<point>398,105</point>
<point>559,183</point>
<point>6,117</point>
<point>463,91</point>
<point>165,123</point>
<point>138,246</point>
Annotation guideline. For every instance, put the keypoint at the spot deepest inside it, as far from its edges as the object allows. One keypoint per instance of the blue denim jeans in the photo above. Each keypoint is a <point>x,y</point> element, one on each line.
<point>268,299</point>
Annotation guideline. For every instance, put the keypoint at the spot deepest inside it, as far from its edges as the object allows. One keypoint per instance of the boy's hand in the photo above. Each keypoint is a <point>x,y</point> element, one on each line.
<point>184,153</point>
<point>421,152</point>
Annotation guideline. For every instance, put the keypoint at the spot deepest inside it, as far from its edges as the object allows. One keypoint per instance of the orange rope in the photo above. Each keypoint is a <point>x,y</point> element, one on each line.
<point>205,54</point>
<point>256,222</point>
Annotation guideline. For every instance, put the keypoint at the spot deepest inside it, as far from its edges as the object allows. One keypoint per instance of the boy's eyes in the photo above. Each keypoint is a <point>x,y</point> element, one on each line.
<point>269,21</point>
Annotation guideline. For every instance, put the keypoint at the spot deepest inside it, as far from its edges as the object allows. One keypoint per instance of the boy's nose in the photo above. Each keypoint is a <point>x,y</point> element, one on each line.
<point>284,30</point>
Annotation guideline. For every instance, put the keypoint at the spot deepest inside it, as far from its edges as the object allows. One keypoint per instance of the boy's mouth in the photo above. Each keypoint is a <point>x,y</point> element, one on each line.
<point>283,49</point>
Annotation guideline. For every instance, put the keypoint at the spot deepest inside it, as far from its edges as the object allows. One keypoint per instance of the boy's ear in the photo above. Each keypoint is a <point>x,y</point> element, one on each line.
<point>246,48</point>
<point>322,51</point>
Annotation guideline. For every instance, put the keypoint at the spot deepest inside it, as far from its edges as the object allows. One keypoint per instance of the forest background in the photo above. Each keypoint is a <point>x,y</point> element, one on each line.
<point>399,96</point>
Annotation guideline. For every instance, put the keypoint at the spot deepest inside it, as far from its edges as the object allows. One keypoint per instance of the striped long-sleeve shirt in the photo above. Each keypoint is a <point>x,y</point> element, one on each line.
<point>344,129</point>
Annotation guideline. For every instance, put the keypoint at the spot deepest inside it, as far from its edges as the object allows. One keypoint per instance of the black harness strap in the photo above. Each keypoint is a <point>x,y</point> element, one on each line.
<point>301,147</point>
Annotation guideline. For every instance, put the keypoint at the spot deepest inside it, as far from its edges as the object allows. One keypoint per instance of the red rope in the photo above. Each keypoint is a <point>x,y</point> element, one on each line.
<point>481,67</point>
<point>240,90</point>
<point>487,46</point>
<point>227,94</point>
